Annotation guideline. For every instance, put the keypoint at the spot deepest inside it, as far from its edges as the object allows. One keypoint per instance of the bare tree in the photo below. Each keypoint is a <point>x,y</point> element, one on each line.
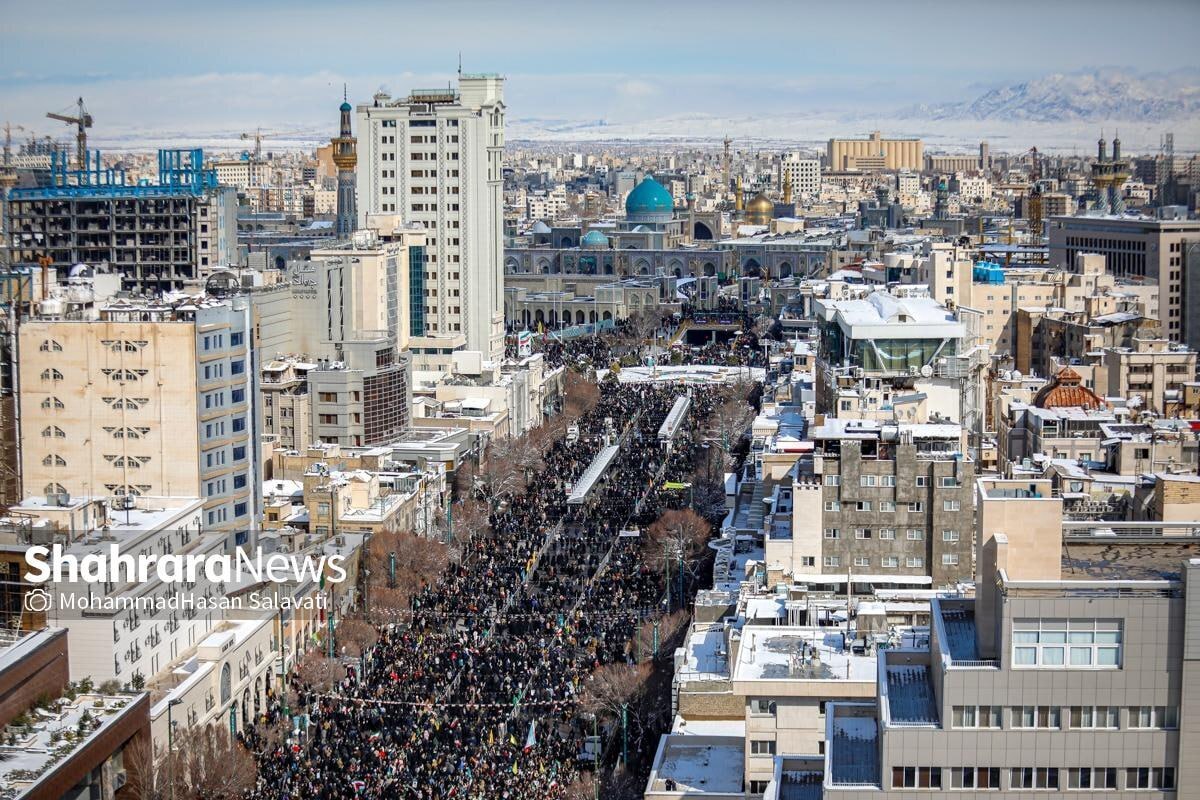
<point>499,475</point>
<point>401,563</point>
<point>581,396</point>
<point>730,422</point>
<point>642,325</point>
<point>205,764</point>
<point>319,672</point>
<point>219,767</point>
<point>612,686</point>
<point>677,530</point>
<point>669,629</point>
<point>708,500</point>
<point>355,636</point>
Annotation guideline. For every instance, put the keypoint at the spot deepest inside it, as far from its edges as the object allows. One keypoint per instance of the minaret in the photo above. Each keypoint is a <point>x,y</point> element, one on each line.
<point>345,156</point>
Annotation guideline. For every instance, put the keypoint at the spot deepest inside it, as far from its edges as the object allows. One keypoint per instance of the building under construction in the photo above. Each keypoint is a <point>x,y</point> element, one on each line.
<point>160,237</point>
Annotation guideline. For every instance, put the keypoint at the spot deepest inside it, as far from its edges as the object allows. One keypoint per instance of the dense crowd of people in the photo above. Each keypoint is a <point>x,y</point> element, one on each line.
<point>476,694</point>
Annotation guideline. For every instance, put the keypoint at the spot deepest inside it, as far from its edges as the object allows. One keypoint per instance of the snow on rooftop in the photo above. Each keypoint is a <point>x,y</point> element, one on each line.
<point>796,653</point>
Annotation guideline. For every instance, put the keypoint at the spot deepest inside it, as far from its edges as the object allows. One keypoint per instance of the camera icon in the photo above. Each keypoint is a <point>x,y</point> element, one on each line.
<point>37,600</point>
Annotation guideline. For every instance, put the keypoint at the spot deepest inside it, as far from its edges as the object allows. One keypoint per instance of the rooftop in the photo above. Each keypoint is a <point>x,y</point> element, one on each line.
<point>910,695</point>
<point>710,764</point>
<point>1149,561</point>
<point>854,752</point>
<point>799,653</point>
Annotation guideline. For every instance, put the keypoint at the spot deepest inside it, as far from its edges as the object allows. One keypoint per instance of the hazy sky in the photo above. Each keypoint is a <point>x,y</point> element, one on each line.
<point>222,65</point>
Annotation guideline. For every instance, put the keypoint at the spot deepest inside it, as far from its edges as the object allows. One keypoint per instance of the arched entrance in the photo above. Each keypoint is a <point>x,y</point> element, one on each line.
<point>702,233</point>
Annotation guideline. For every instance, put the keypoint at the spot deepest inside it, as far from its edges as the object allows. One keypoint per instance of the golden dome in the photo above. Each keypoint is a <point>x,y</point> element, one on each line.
<point>760,210</point>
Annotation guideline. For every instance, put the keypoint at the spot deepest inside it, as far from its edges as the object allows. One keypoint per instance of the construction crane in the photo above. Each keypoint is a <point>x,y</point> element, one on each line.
<point>1034,214</point>
<point>258,135</point>
<point>82,121</point>
<point>8,129</point>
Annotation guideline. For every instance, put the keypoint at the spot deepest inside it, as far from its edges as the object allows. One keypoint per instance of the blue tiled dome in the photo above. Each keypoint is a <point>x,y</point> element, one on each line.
<point>649,197</point>
<point>594,239</point>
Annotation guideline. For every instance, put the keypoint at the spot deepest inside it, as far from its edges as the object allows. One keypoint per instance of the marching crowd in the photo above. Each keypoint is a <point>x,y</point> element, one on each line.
<point>477,696</point>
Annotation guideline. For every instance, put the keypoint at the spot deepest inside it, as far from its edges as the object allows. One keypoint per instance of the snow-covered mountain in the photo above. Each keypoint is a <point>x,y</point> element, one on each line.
<point>1094,96</point>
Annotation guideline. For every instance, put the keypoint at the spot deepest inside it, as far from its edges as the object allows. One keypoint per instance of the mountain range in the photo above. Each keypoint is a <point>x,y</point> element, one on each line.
<point>1093,96</point>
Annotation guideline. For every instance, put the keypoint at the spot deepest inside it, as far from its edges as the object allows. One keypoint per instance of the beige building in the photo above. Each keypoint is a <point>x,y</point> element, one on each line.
<point>149,399</point>
<point>875,153</point>
<point>1153,370</point>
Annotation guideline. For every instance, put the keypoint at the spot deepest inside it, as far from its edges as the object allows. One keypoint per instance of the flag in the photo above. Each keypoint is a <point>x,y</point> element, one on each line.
<point>531,738</point>
<point>514,769</point>
<point>512,739</point>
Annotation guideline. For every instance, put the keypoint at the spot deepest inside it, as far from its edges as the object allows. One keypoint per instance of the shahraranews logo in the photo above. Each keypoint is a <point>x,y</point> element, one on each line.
<point>52,564</point>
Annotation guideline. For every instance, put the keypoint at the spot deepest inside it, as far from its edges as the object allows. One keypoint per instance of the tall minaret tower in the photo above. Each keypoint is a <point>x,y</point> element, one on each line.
<point>345,156</point>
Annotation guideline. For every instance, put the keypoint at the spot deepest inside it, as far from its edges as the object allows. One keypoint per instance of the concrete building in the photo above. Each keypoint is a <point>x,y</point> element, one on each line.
<point>434,158</point>
<point>1067,671</point>
<point>1141,250</point>
<point>899,358</point>
<point>875,154</point>
<point>1152,370</point>
<point>151,398</point>
<point>101,757</point>
<point>160,237</point>
<point>801,175</point>
<point>879,505</point>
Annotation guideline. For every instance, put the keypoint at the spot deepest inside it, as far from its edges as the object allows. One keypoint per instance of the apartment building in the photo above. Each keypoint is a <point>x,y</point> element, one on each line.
<point>878,504</point>
<point>434,158</point>
<point>801,175</point>
<point>875,154</point>
<point>151,398</point>
<point>1071,670</point>
<point>1153,370</point>
<point>1144,250</point>
<point>161,237</point>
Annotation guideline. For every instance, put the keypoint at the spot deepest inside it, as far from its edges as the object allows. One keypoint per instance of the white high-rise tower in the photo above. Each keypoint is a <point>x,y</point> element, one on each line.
<point>434,159</point>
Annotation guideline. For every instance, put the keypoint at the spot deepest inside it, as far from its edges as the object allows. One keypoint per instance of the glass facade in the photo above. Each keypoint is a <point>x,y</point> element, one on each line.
<point>416,291</point>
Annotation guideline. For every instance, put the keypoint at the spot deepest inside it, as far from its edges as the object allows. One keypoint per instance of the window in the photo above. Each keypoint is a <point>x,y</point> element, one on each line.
<point>53,431</point>
<point>54,460</point>
<point>758,787</point>
<point>916,777</point>
<point>862,561</point>
<point>976,716</point>
<point>239,424</point>
<point>915,534</point>
<point>832,480</point>
<point>949,559</point>
<point>1073,644</point>
<point>862,533</point>
<point>832,561</point>
<point>921,482</point>
<point>975,778</point>
<point>761,706</point>
<point>327,397</point>
<point>890,561</point>
<point>1154,717</point>
<point>808,561</point>
<point>832,533</point>
<point>887,506</point>
<point>950,505</point>
<point>239,452</point>
<point>1036,717</point>
<point>236,338</point>
<point>866,480</point>
<point>1137,778</point>
<point>887,533</point>
<point>52,402</point>
<point>239,509</point>
<point>1034,778</point>
<point>916,508</point>
<point>863,505</point>
<point>887,480</point>
<point>239,481</point>
<point>762,747</point>
<point>237,395</point>
<point>237,367</point>
<point>949,482</point>
<point>949,536</point>
<point>833,505</point>
<point>51,375</point>
<point>914,562</point>
<point>1086,717</point>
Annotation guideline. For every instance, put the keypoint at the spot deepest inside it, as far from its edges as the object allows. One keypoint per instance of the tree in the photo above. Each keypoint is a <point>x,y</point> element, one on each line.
<point>355,636</point>
<point>392,582</point>
<point>708,500</point>
<point>500,475</point>
<point>669,629</point>
<point>679,529</point>
<point>731,420</point>
<point>581,396</point>
<point>205,764</point>
<point>612,685</point>
<point>319,672</point>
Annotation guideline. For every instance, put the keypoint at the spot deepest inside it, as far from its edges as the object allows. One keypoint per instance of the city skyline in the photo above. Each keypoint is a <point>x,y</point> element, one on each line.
<point>765,70</point>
